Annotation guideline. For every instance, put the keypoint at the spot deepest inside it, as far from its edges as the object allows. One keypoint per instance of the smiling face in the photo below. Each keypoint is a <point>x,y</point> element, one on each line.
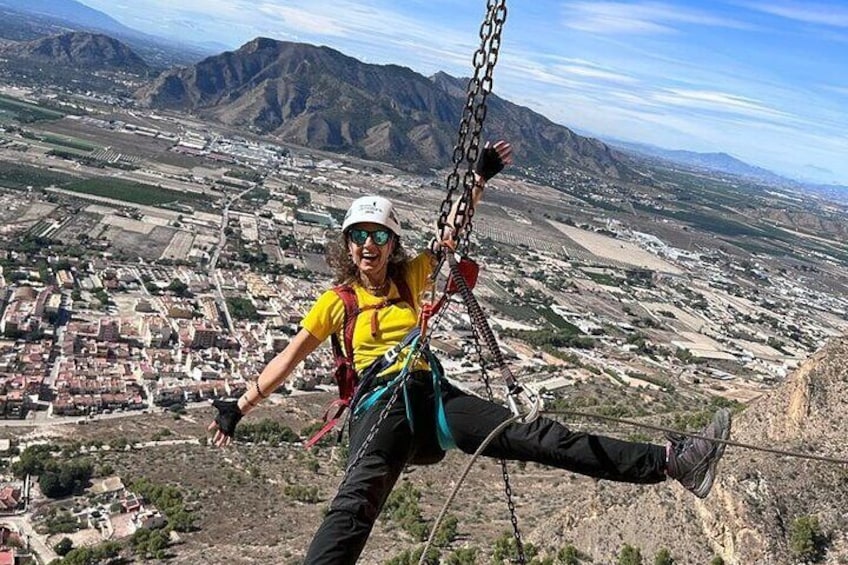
<point>371,259</point>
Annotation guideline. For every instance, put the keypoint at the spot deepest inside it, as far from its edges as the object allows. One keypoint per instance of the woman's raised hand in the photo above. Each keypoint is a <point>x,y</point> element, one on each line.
<point>493,158</point>
<point>224,424</point>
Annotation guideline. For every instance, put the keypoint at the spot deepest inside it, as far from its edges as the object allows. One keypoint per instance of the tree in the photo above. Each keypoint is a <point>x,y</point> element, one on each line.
<point>506,549</point>
<point>179,288</point>
<point>50,485</point>
<point>630,555</point>
<point>463,556</point>
<point>33,460</point>
<point>64,546</point>
<point>447,531</point>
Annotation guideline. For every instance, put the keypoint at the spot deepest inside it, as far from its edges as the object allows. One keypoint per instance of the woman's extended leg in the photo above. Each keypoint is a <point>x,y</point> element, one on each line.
<point>361,496</point>
<point>546,441</point>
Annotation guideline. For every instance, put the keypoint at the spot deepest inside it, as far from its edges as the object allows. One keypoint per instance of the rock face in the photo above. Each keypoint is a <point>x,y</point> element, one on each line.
<point>79,50</point>
<point>320,98</point>
<point>747,517</point>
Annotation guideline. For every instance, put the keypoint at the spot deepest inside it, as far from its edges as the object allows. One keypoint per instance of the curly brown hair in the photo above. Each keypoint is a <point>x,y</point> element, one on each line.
<point>345,270</point>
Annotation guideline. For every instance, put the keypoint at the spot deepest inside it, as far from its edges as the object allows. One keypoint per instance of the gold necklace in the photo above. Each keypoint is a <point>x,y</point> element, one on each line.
<point>379,289</point>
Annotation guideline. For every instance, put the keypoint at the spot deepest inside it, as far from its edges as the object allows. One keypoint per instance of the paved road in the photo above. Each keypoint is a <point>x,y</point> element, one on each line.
<point>38,543</point>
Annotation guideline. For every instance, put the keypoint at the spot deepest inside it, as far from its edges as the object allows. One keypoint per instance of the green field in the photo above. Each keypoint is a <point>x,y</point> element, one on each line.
<point>60,141</point>
<point>13,175</point>
<point>67,142</point>
<point>128,191</point>
<point>25,112</point>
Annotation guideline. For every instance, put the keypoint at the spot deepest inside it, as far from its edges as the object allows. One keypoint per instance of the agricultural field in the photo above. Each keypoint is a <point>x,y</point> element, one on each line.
<point>60,141</point>
<point>180,246</point>
<point>616,250</point>
<point>149,246</point>
<point>135,192</point>
<point>13,109</point>
<point>13,175</point>
<point>81,223</point>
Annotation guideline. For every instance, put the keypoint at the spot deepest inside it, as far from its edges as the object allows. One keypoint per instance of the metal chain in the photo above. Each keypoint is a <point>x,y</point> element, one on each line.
<point>484,375</point>
<point>474,113</point>
<point>466,150</point>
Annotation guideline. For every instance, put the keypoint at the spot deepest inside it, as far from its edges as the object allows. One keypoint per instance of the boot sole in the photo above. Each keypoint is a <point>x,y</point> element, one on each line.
<point>722,422</point>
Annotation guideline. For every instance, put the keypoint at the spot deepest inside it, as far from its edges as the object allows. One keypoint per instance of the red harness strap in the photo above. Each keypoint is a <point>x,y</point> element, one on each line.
<point>345,371</point>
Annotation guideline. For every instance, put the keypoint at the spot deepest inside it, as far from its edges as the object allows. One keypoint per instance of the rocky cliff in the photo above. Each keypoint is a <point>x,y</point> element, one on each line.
<point>748,517</point>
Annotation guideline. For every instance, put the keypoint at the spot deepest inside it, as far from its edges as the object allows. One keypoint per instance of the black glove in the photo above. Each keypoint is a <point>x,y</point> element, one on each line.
<point>489,163</point>
<point>228,415</point>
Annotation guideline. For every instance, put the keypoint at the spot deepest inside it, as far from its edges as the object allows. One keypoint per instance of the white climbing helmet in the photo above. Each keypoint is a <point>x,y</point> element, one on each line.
<point>375,209</point>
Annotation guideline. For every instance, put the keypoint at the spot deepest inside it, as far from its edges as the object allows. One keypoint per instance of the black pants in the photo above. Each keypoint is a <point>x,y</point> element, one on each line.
<point>352,514</point>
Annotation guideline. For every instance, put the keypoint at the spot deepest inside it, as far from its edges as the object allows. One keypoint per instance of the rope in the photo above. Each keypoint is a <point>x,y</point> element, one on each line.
<point>589,415</point>
<point>503,425</point>
<point>795,454</point>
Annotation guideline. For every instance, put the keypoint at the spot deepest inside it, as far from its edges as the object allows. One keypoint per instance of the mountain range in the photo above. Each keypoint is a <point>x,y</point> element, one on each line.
<point>321,98</point>
<point>318,97</point>
<point>721,162</point>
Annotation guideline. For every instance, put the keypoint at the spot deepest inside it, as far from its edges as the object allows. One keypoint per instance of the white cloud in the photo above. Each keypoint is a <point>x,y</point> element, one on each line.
<point>592,72</point>
<point>833,14</point>
<point>837,89</point>
<point>717,101</point>
<point>639,18</point>
<point>307,21</point>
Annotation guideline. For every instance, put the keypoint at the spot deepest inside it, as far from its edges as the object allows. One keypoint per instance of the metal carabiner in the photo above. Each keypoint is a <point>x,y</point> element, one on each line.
<point>519,396</point>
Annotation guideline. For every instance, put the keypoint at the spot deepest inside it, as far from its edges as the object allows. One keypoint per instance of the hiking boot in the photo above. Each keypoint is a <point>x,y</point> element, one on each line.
<point>692,460</point>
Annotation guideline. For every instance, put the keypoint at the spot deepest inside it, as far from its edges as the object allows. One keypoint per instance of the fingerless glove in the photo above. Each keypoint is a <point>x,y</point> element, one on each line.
<point>228,416</point>
<point>489,163</point>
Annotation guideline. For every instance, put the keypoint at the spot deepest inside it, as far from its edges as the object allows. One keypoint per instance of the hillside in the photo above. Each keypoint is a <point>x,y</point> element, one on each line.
<point>80,50</point>
<point>318,97</point>
<point>748,516</point>
<point>68,11</point>
<point>277,493</point>
<point>26,21</point>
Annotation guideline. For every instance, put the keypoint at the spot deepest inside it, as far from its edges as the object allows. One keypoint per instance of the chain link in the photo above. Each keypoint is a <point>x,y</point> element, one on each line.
<point>484,375</point>
<point>467,150</point>
<point>465,155</point>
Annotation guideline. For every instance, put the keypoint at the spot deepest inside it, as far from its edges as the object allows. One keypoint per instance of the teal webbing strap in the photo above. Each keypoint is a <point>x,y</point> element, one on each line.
<point>371,398</point>
<point>443,432</point>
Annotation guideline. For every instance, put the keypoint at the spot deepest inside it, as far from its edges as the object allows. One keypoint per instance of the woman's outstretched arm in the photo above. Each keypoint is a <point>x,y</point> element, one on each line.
<point>272,376</point>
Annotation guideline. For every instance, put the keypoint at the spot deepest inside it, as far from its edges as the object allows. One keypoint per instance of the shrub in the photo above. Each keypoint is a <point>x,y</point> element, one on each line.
<point>630,555</point>
<point>64,546</point>
<point>806,541</point>
<point>663,557</point>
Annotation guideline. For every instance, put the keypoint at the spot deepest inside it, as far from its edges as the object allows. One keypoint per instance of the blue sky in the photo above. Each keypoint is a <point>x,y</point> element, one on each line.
<point>763,80</point>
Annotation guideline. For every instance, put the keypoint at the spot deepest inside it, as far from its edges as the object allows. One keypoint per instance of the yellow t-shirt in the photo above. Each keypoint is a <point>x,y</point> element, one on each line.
<point>326,317</point>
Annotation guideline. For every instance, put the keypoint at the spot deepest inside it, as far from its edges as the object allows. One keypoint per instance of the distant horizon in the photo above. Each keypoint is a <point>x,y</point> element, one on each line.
<point>762,82</point>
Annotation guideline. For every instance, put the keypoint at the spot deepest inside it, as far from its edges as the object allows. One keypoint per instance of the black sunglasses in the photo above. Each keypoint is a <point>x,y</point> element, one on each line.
<point>360,236</point>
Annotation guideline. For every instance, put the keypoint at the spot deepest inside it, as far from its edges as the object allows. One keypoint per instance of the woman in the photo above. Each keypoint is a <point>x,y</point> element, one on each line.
<point>370,259</point>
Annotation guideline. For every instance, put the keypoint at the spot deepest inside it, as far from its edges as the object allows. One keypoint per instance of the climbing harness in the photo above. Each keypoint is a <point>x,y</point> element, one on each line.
<point>453,236</point>
<point>345,375</point>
